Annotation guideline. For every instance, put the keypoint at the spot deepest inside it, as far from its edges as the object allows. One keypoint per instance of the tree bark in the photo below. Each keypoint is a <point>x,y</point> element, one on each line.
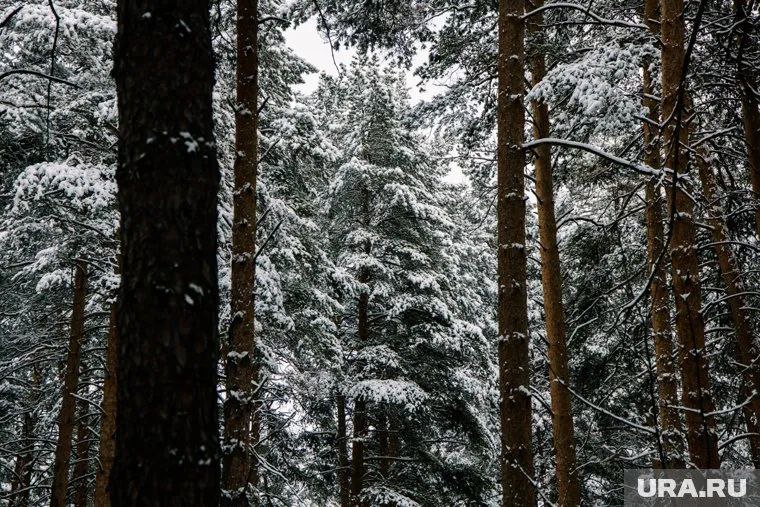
<point>241,417</point>
<point>22,470</point>
<point>108,419</point>
<point>671,429</point>
<point>360,406</point>
<point>696,395</point>
<point>344,477</point>
<point>167,448</point>
<point>81,466</point>
<point>514,361</point>
<point>568,485</point>
<point>70,380</point>
<point>750,106</point>
<point>747,348</point>
<point>383,442</point>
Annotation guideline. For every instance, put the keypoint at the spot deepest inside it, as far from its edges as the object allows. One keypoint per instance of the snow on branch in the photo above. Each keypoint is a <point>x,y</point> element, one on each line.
<point>587,12</point>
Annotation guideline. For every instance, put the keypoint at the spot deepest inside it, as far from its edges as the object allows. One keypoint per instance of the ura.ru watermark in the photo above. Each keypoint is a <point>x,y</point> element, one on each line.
<point>692,487</point>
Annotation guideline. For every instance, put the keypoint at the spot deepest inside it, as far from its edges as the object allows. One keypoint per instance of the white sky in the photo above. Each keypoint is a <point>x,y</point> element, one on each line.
<point>309,44</point>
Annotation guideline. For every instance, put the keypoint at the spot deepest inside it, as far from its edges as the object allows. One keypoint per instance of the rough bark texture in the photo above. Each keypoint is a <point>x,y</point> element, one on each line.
<point>568,485</point>
<point>690,328</point>
<point>241,419</point>
<point>167,448</point>
<point>108,420</point>
<point>360,406</point>
<point>671,429</point>
<point>750,105</point>
<point>344,478</point>
<point>748,351</point>
<point>82,449</point>
<point>70,380</point>
<point>514,360</point>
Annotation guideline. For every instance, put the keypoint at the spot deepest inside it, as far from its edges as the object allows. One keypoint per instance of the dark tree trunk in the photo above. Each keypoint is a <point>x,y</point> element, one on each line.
<point>82,449</point>
<point>70,380</point>
<point>108,419</point>
<point>568,484</point>
<point>22,470</point>
<point>167,445</point>
<point>344,478</point>
<point>241,417</point>
<point>746,78</point>
<point>690,328</point>
<point>748,352</point>
<point>383,442</point>
<point>360,406</point>
<point>514,361</point>
<point>671,428</point>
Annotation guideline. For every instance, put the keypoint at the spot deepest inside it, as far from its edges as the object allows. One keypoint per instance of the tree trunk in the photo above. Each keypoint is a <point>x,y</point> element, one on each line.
<point>750,106</point>
<point>70,381</point>
<point>360,406</point>
<point>343,467</point>
<point>81,466</point>
<point>514,361</point>
<point>690,328</point>
<point>167,448</point>
<point>241,417</point>
<point>568,486</point>
<point>383,442</point>
<point>671,428</point>
<point>746,346</point>
<point>22,471</point>
<point>108,419</point>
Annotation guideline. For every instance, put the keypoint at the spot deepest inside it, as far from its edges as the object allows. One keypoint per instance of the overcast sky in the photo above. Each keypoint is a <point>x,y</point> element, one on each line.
<point>309,44</point>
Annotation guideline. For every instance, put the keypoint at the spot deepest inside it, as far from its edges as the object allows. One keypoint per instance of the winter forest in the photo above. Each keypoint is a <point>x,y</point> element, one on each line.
<point>220,288</point>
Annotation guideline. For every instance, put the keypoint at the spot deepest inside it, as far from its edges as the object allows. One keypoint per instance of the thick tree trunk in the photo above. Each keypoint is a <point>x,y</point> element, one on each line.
<point>241,417</point>
<point>360,406</point>
<point>748,352</point>
<point>81,466</point>
<point>671,429</point>
<point>108,419</point>
<point>70,380</point>
<point>514,361</point>
<point>690,328</point>
<point>344,478</point>
<point>167,448</point>
<point>750,106</point>
<point>568,485</point>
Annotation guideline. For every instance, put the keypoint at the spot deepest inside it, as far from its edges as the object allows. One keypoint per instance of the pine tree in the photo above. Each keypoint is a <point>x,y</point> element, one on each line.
<point>515,399</point>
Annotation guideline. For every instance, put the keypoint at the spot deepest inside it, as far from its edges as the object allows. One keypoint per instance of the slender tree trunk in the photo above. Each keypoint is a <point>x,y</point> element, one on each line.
<point>745,76</point>
<point>748,352</point>
<point>568,485</point>
<point>70,381</point>
<point>393,437</point>
<point>671,428</point>
<point>383,442</point>
<point>241,417</point>
<point>514,360</point>
<point>344,478</point>
<point>690,328</point>
<point>81,466</point>
<point>22,471</point>
<point>360,406</point>
<point>108,419</point>
<point>167,444</point>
